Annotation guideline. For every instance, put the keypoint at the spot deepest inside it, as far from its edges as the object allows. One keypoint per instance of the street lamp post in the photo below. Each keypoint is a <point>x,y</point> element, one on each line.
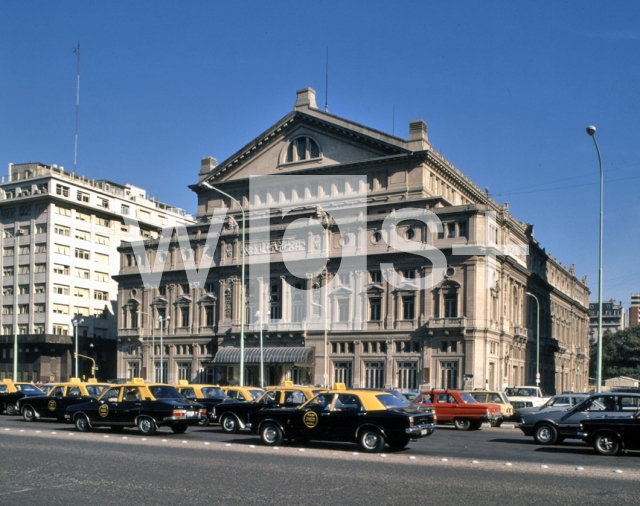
<point>537,338</point>
<point>93,362</point>
<point>242,288</point>
<point>76,322</point>
<point>591,130</point>
<point>162,320</point>
<point>324,309</point>
<point>153,348</point>
<point>259,315</point>
<point>16,251</point>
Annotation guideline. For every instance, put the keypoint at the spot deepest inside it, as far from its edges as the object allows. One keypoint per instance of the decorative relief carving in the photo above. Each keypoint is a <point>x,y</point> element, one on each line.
<point>229,250</point>
<point>278,246</point>
<point>227,303</point>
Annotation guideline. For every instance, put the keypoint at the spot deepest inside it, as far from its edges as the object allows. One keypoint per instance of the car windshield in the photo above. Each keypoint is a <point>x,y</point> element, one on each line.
<point>391,401</point>
<point>468,398</point>
<point>95,390</point>
<point>213,392</point>
<point>521,392</point>
<point>29,389</point>
<point>255,393</point>
<point>165,392</point>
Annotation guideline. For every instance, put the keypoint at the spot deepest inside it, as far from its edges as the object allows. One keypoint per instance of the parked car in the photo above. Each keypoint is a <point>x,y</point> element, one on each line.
<point>60,396</point>
<point>410,396</point>
<point>207,395</point>
<point>370,418</point>
<point>609,436</point>
<point>146,406</point>
<point>560,402</point>
<point>233,416</point>
<point>526,397</point>
<point>242,393</point>
<point>495,397</point>
<point>459,408</point>
<point>11,392</point>
<point>552,427</point>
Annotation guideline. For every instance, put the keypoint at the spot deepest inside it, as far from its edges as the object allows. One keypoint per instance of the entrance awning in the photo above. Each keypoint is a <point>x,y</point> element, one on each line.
<point>295,356</point>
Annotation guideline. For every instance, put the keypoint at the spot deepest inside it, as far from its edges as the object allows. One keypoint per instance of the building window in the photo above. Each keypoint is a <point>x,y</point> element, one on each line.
<point>343,310</point>
<point>9,212</point>
<point>449,375</point>
<point>101,276</point>
<point>24,250</point>
<point>63,211</point>
<point>162,290</point>
<point>451,230</point>
<point>7,252</point>
<point>450,306</point>
<point>41,228</point>
<point>62,190</point>
<point>82,216</point>
<point>61,309</point>
<point>410,233</point>
<point>275,302</point>
<point>297,304</point>
<point>82,273</point>
<point>61,249</point>
<point>39,288</point>
<point>342,373</point>
<point>7,310</point>
<point>24,230</point>
<point>377,237</point>
<point>25,210</point>
<point>81,292</point>
<point>184,316</point>
<point>7,233</point>
<point>24,289</point>
<point>7,271</point>
<point>60,230</point>
<point>185,289</point>
<point>23,309</point>
<point>462,229</point>
<point>408,375</point>
<point>23,269</point>
<point>409,273</point>
<point>133,369</point>
<point>40,268</point>
<point>124,210</point>
<point>99,295</point>
<point>83,235</point>
<point>208,316</point>
<point>38,308</point>
<point>82,196</point>
<point>101,258</point>
<point>408,312</point>
<point>61,269</point>
<point>101,239</point>
<point>375,309</point>
<point>184,371</point>
<point>41,248</point>
<point>376,276</point>
<point>61,330</point>
<point>209,288</point>
<point>302,148</point>
<point>7,290</point>
<point>103,222</point>
<point>374,374</point>
<point>104,203</point>
<point>61,289</point>
<point>82,254</point>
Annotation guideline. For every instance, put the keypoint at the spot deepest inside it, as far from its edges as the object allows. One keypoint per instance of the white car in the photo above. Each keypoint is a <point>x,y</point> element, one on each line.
<point>526,397</point>
<point>558,402</point>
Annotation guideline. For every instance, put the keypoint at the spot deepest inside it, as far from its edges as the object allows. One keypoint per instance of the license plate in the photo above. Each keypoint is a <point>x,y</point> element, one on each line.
<point>423,432</point>
<point>191,413</point>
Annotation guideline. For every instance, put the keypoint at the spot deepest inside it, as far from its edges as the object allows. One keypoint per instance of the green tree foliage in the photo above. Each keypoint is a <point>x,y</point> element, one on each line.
<point>620,354</point>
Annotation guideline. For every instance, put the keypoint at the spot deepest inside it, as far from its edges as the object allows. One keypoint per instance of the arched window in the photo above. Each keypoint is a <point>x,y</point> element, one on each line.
<point>297,303</point>
<point>302,148</point>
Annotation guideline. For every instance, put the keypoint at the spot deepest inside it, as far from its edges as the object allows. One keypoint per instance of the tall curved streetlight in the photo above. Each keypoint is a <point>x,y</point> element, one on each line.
<point>324,309</point>
<point>591,130</point>
<point>162,321</point>
<point>153,347</point>
<point>242,288</point>
<point>76,322</point>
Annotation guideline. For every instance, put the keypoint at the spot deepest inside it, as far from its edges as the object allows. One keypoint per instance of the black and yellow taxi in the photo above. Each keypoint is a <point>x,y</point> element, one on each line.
<point>233,416</point>
<point>60,396</point>
<point>238,393</point>
<point>207,395</point>
<point>146,406</point>
<point>11,392</point>
<point>367,417</point>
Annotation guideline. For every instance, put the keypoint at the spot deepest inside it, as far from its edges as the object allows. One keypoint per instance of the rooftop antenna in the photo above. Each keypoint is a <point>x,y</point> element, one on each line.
<point>326,87</point>
<point>393,121</point>
<point>76,50</point>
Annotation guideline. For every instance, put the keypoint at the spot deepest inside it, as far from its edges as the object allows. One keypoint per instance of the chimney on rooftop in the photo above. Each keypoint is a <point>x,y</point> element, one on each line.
<point>306,97</point>
<point>418,135</point>
<point>207,164</point>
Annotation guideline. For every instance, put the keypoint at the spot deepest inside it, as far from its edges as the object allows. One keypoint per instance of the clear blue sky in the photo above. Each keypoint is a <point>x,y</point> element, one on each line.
<point>506,88</point>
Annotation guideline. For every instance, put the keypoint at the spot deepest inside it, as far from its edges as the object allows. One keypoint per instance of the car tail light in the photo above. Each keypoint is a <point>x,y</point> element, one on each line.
<point>203,412</point>
<point>179,413</point>
<point>411,421</point>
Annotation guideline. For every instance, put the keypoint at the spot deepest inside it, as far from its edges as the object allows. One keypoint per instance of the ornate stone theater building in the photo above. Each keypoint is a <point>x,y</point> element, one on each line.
<point>346,232</point>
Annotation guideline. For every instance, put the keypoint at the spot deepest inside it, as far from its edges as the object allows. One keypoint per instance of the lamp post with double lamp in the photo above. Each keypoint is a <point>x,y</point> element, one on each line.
<point>259,315</point>
<point>325,341</point>
<point>76,322</point>
<point>242,288</point>
<point>16,251</point>
<point>591,130</point>
<point>537,338</point>
<point>162,321</point>
<point>153,348</point>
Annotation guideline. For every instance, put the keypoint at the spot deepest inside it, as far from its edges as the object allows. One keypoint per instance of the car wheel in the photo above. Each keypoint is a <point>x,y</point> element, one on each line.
<point>82,424</point>
<point>371,441</point>
<point>399,445</point>
<point>476,426</point>
<point>146,426</point>
<point>229,424</point>
<point>271,434</point>
<point>462,423</point>
<point>496,423</point>
<point>204,422</point>
<point>28,414</point>
<point>179,429</point>
<point>606,444</point>
<point>11,409</point>
<point>545,434</point>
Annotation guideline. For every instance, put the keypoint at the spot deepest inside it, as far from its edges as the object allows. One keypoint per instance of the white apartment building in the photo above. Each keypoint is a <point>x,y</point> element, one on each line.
<point>67,229</point>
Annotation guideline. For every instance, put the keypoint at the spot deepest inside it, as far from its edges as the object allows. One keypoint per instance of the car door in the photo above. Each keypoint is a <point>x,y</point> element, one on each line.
<point>344,417</point>
<point>107,411</point>
<point>130,406</point>
<point>313,421</point>
<point>597,406</point>
<point>53,403</point>
<point>446,407</point>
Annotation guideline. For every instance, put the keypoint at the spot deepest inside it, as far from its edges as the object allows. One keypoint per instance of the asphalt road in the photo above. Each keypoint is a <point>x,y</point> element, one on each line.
<point>50,463</point>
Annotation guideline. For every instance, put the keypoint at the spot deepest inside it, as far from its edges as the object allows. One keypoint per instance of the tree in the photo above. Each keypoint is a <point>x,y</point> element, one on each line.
<point>620,354</point>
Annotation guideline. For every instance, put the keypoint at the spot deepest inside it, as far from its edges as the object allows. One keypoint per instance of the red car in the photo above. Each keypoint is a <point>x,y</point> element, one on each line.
<point>459,408</point>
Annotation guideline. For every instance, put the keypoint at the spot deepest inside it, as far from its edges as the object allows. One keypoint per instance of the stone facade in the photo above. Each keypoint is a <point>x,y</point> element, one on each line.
<point>474,327</point>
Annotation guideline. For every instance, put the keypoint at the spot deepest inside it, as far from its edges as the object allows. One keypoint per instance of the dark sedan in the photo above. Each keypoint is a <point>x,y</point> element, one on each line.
<point>137,404</point>
<point>609,436</point>
<point>11,392</point>
<point>369,418</point>
<point>548,428</point>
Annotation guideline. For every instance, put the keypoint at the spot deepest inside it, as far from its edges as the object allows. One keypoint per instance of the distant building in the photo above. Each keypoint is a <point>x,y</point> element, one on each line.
<point>634,310</point>
<point>68,230</point>
<point>614,318</point>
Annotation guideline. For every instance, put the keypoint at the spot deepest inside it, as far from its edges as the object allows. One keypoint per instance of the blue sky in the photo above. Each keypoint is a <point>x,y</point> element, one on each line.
<point>506,89</point>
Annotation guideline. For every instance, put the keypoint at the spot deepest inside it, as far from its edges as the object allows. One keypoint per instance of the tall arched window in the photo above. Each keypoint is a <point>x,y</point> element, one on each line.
<point>302,148</point>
